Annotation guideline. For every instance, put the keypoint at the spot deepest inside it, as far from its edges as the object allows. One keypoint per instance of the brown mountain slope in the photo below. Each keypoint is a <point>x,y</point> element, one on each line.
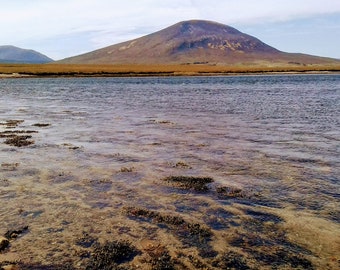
<point>194,42</point>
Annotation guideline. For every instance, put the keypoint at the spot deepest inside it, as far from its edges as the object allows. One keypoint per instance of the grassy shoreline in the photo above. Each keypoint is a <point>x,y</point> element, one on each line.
<point>71,70</point>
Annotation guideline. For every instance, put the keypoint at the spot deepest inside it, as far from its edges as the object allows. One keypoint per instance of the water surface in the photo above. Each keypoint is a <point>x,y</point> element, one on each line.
<point>103,148</point>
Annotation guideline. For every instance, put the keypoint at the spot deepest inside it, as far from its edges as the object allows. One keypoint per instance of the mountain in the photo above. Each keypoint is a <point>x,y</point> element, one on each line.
<point>194,42</point>
<point>12,54</point>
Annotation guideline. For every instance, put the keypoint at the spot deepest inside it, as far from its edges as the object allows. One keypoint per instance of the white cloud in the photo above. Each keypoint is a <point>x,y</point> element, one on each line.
<point>112,21</point>
<point>264,10</point>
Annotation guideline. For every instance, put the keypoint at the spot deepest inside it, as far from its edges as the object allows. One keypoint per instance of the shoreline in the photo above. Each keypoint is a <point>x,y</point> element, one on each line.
<point>160,74</point>
<point>64,70</point>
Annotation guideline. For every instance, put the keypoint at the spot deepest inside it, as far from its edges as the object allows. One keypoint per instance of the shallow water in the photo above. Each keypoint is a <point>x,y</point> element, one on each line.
<point>97,172</point>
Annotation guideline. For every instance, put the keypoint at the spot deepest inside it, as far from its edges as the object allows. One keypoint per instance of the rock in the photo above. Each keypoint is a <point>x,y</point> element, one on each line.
<point>4,243</point>
<point>12,234</point>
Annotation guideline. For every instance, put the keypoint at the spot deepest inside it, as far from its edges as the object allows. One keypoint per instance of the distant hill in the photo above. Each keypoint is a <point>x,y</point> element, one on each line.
<point>12,54</point>
<point>195,42</point>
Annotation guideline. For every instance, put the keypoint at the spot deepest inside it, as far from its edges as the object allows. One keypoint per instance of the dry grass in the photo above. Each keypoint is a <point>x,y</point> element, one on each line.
<point>155,70</point>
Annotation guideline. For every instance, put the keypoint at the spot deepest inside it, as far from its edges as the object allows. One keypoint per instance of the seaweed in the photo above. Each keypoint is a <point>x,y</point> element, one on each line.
<point>230,192</point>
<point>26,266</point>
<point>154,216</point>
<point>126,169</point>
<point>110,255</point>
<point>190,182</point>
<point>19,140</point>
<point>266,242</point>
<point>41,125</point>
<point>14,137</point>
<point>12,133</point>
<point>198,264</point>
<point>12,123</point>
<point>190,233</point>
<point>162,262</point>
<point>180,165</point>
<point>231,260</point>
<point>283,257</point>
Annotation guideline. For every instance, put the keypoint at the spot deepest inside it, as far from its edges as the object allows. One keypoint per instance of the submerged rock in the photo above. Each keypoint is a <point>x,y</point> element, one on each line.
<point>12,234</point>
<point>4,243</point>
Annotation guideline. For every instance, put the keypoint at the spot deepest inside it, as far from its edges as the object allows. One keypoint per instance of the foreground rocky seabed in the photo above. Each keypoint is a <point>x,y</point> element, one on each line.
<point>254,238</point>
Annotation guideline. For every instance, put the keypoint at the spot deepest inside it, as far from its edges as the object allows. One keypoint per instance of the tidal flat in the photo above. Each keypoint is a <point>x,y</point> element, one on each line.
<point>170,173</point>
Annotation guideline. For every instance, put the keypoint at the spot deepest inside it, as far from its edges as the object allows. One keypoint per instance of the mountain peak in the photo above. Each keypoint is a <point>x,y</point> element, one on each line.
<point>215,36</point>
<point>189,42</point>
<point>204,26</point>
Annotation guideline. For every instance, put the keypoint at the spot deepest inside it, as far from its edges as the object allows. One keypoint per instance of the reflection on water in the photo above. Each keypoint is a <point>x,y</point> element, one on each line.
<point>116,166</point>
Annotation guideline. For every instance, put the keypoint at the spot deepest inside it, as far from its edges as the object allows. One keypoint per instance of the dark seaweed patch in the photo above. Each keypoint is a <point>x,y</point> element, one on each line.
<point>162,262</point>
<point>231,260</point>
<point>250,241</point>
<point>109,255</point>
<point>198,264</point>
<point>283,257</point>
<point>190,182</point>
<point>25,266</point>
<point>190,233</point>
<point>19,140</point>
<point>155,217</point>
<point>272,252</point>
<point>230,192</point>
<point>12,123</point>
<point>12,133</point>
<point>265,240</point>
<point>41,125</point>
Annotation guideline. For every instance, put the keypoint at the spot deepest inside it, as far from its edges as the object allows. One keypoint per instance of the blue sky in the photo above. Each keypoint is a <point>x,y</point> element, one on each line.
<point>63,28</point>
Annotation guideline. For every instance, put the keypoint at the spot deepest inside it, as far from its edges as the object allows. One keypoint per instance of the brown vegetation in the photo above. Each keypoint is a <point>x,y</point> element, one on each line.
<point>72,70</point>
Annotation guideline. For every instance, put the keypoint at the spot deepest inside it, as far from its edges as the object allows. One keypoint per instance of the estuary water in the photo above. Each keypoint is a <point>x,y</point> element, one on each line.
<point>238,172</point>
